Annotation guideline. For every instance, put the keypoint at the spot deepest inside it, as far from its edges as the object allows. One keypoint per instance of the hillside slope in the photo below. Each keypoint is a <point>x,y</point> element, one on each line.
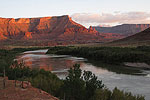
<point>17,93</point>
<point>141,38</point>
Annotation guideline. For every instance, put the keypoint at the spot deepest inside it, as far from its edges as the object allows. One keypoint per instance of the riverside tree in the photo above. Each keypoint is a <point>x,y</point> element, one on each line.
<point>80,86</point>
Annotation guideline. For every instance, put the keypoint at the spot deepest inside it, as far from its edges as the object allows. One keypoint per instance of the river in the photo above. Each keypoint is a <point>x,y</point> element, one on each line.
<point>59,64</point>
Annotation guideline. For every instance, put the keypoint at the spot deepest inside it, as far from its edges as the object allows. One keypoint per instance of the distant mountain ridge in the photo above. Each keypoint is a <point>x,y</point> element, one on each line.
<point>124,29</point>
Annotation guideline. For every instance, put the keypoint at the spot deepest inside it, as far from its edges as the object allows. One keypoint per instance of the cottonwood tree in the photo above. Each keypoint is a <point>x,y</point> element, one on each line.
<point>74,84</point>
<point>80,86</point>
<point>92,84</point>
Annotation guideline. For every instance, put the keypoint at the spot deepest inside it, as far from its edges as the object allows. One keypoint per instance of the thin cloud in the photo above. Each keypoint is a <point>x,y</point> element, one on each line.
<point>113,18</point>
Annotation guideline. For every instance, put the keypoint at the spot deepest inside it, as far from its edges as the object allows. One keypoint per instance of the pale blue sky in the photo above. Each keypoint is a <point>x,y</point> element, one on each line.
<point>40,8</point>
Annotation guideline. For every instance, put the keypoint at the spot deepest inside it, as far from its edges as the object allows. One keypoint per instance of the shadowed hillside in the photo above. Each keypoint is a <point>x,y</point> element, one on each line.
<point>142,38</point>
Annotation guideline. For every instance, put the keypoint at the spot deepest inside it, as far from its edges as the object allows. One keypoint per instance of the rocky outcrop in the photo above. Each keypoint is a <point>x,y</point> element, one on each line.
<point>91,29</point>
<point>28,35</point>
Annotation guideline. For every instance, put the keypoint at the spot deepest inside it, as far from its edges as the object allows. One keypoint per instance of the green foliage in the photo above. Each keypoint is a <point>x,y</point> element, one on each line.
<point>102,94</point>
<point>111,55</point>
<point>18,71</point>
<point>6,59</point>
<point>116,94</point>
<point>46,81</point>
<point>78,86</point>
<point>144,48</point>
<point>53,50</point>
<point>41,79</point>
<point>92,83</point>
<point>121,95</point>
<point>86,86</point>
<point>74,84</point>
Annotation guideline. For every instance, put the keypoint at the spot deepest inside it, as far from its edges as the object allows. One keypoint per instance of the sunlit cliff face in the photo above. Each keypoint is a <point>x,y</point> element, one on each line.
<point>2,37</point>
<point>46,31</point>
<point>43,25</point>
<point>28,35</point>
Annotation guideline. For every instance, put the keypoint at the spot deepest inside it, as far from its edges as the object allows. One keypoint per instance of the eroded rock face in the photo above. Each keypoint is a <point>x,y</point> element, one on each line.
<point>46,31</point>
<point>28,35</point>
<point>92,30</point>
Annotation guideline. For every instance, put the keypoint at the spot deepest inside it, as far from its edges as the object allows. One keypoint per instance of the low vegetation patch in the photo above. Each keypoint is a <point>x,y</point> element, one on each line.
<point>111,55</point>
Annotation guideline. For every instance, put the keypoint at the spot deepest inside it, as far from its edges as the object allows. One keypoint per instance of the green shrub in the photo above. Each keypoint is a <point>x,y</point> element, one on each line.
<point>112,55</point>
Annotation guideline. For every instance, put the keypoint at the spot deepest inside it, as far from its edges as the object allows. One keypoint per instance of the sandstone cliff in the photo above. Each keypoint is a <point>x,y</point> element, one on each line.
<point>45,31</point>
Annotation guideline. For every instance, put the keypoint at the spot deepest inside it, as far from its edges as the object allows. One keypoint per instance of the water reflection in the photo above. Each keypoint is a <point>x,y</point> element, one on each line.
<point>56,64</point>
<point>119,69</point>
<point>59,64</point>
